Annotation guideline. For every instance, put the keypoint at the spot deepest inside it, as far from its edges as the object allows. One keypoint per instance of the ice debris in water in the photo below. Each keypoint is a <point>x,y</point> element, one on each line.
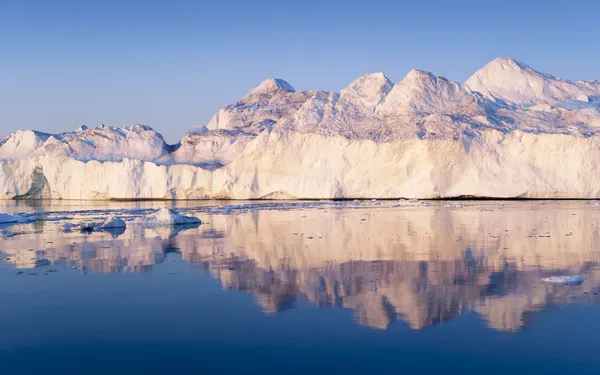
<point>565,280</point>
<point>165,216</point>
<point>455,205</point>
<point>10,219</point>
<point>112,222</point>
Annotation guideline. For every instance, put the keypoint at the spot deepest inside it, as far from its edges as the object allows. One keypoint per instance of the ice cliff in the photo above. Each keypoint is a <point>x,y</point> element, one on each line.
<point>509,131</point>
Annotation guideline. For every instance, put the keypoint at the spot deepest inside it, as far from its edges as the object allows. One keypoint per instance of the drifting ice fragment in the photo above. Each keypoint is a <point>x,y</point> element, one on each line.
<point>6,219</point>
<point>564,280</point>
<point>166,216</point>
<point>113,222</point>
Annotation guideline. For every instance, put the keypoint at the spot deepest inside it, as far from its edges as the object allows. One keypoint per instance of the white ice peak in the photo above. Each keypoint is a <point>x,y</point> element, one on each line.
<point>517,83</point>
<point>368,90</point>
<point>424,93</point>
<point>271,85</point>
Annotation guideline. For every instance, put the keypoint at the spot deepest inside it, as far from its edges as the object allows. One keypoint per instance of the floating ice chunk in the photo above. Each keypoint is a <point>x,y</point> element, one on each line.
<point>112,222</point>
<point>583,98</point>
<point>564,280</point>
<point>165,216</point>
<point>13,219</point>
<point>455,205</point>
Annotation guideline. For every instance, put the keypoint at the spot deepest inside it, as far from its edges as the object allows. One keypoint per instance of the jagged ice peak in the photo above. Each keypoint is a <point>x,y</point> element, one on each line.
<point>271,85</point>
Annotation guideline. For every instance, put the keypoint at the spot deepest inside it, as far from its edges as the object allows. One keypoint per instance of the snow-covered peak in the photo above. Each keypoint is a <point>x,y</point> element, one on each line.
<point>367,91</point>
<point>417,75</point>
<point>22,143</point>
<point>509,64</point>
<point>271,85</point>
<point>517,83</point>
<point>103,143</point>
<point>261,108</point>
<point>107,143</point>
<point>424,93</point>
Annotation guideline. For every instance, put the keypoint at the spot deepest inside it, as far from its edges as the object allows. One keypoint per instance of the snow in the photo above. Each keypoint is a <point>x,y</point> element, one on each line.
<point>510,131</point>
<point>565,280</point>
<point>22,144</point>
<point>165,216</point>
<point>423,93</point>
<point>515,82</point>
<point>579,103</point>
<point>367,92</point>
<point>102,143</point>
<point>255,113</point>
<point>294,165</point>
<point>209,149</point>
<point>271,85</point>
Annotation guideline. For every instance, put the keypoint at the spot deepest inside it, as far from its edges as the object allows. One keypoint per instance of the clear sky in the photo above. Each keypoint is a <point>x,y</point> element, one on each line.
<point>173,64</point>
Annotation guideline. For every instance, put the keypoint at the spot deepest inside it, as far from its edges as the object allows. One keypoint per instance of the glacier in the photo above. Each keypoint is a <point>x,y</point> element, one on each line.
<point>508,132</point>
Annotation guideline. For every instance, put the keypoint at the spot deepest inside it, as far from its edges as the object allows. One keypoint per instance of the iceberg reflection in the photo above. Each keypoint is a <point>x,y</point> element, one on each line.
<point>419,263</point>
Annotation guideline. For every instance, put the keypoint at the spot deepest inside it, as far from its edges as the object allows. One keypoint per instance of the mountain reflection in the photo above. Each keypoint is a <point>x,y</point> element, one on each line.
<point>421,264</point>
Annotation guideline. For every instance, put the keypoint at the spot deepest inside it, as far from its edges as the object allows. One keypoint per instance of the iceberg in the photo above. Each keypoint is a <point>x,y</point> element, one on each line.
<point>113,222</point>
<point>165,216</point>
<point>508,132</point>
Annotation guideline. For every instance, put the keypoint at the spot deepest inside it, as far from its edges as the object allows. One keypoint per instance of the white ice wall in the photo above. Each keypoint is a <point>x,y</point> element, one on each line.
<point>299,165</point>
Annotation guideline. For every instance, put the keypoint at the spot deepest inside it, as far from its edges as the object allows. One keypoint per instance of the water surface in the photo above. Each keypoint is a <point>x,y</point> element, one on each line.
<point>296,287</point>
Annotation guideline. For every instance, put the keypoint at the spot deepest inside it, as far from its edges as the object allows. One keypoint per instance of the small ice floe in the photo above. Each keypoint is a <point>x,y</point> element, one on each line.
<point>112,222</point>
<point>564,280</point>
<point>165,216</point>
<point>13,219</point>
<point>454,205</point>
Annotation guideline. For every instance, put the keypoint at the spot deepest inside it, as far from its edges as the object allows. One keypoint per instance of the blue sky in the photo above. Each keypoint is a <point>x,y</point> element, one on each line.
<point>172,64</point>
